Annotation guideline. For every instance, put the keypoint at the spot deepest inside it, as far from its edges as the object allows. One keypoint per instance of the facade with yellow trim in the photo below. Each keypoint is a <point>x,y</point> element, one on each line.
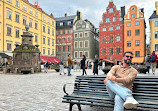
<point>14,15</point>
<point>134,33</point>
<point>153,21</point>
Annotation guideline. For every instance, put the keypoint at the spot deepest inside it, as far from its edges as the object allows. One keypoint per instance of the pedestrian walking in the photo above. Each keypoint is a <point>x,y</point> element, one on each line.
<point>70,62</point>
<point>154,58</point>
<point>75,66</point>
<point>46,66</point>
<point>95,66</point>
<point>62,66</point>
<point>83,64</point>
<point>147,62</point>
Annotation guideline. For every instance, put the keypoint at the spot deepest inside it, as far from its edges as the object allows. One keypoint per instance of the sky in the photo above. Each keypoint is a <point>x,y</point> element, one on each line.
<point>93,9</point>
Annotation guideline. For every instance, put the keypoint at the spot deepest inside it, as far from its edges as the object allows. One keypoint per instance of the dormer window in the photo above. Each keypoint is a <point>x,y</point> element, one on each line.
<point>111,10</point>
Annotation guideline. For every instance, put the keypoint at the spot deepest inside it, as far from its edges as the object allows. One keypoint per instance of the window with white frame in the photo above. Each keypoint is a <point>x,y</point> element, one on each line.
<point>118,28</point>
<point>69,23</point>
<point>86,53</point>
<point>64,48</point>
<point>44,29</point>
<point>104,29</point>
<point>156,23</point>
<point>118,38</point>
<point>9,31</point>
<point>44,18</point>
<point>133,15</point>
<point>110,28</point>
<point>103,40</point>
<point>137,53</point>
<point>114,19</point>
<point>17,33</point>
<point>9,46</point>
<point>103,51</point>
<point>44,51</point>
<point>48,30</point>
<point>36,13</point>
<point>30,10</point>
<point>30,22</point>
<point>111,10</point>
<point>17,18</point>
<point>9,14</point>
<point>48,51</point>
<point>48,41</point>
<point>76,44</point>
<point>137,42</point>
<point>52,32</point>
<point>110,51</point>
<point>118,50</point>
<point>24,7</point>
<point>68,39</point>
<point>49,21</point>
<point>44,39</point>
<point>17,3</point>
<point>52,22</point>
<point>58,48</point>
<point>156,34</point>
<point>80,44</point>
<point>69,48</point>
<point>128,43</point>
<point>137,32</point>
<point>36,25</point>
<point>24,20</point>
<point>86,34</point>
<point>61,23</point>
<point>111,40</point>
<point>156,47</point>
<point>76,35</point>
<point>58,40</point>
<point>76,54</point>
<point>128,32</point>
<point>80,34</point>
<point>81,54</point>
<point>128,24</point>
<point>52,52</point>
<point>107,20</point>
<point>52,42</point>
<point>36,38</point>
<point>86,44</point>
<point>137,23</point>
<point>63,40</point>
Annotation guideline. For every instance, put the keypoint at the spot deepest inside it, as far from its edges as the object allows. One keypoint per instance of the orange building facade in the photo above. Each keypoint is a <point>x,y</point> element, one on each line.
<point>134,33</point>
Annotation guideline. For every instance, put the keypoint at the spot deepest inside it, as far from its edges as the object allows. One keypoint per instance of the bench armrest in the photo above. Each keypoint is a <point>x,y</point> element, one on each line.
<point>64,88</point>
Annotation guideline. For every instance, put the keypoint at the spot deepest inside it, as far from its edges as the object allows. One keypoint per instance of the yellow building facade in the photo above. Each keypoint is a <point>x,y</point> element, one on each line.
<point>153,21</point>
<point>134,33</point>
<point>14,15</point>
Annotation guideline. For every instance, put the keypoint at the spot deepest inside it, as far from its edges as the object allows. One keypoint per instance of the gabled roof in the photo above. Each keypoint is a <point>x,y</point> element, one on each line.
<point>153,15</point>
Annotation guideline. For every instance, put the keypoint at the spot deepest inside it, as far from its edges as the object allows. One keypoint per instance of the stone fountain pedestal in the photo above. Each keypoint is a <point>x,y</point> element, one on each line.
<point>26,57</point>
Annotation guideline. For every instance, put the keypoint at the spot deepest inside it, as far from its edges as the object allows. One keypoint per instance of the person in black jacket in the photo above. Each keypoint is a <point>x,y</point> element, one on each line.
<point>83,64</point>
<point>95,67</point>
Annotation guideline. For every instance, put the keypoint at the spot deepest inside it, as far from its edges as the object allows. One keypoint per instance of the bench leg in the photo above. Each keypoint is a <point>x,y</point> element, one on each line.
<point>70,108</point>
<point>79,107</point>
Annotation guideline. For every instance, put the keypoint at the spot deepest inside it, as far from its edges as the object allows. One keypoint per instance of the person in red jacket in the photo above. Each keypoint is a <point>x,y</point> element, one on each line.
<point>153,58</point>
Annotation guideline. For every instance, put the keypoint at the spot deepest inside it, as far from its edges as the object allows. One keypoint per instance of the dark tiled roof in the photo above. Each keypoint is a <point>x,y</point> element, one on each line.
<point>3,55</point>
<point>153,15</point>
<point>65,20</point>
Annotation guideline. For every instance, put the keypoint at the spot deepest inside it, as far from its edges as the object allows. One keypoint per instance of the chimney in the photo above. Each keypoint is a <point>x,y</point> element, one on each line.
<point>142,10</point>
<point>78,15</point>
<point>156,5</point>
<point>123,12</point>
<point>66,14</point>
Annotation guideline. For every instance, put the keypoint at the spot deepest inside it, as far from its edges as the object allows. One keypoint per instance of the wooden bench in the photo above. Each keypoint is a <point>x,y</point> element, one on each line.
<point>91,90</point>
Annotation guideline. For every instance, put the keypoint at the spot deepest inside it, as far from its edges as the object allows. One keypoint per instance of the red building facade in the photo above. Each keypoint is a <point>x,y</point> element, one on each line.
<point>111,34</point>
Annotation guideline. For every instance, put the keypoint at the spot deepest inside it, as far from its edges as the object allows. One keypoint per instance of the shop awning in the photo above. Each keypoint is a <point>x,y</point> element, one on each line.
<point>49,59</point>
<point>108,60</point>
<point>138,60</point>
<point>3,55</point>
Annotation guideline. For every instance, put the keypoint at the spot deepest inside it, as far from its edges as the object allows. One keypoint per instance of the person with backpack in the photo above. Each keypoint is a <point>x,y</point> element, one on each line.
<point>154,58</point>
<point>147,62</point>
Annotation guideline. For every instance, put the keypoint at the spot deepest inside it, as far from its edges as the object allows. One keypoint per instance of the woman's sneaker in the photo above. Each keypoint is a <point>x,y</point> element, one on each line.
<point>130,103</point>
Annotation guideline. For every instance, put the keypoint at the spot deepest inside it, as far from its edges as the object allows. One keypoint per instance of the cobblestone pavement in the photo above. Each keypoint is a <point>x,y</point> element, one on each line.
<point>38,92</point>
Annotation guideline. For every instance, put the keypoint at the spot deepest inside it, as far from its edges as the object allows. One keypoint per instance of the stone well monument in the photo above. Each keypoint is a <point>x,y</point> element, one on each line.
<point>26,57</point>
